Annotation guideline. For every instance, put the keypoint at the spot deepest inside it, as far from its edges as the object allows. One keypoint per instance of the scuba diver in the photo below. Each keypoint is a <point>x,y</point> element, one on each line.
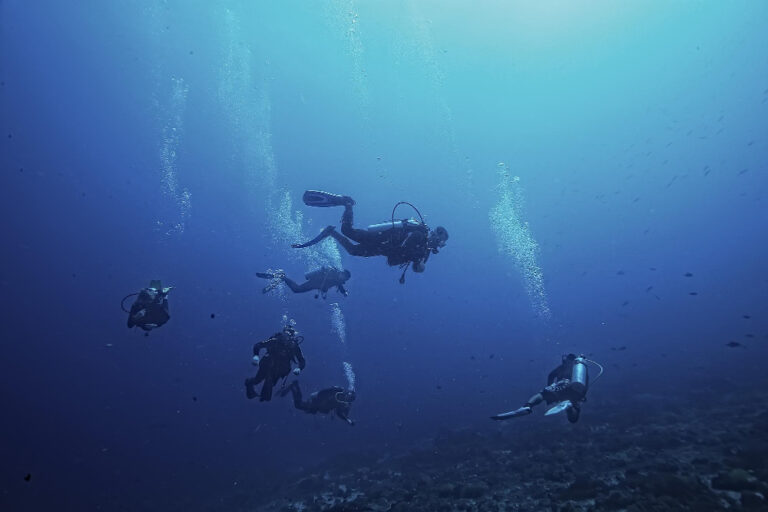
<point>567,385</point>
<point>150,309</point>
<point>333,399</point>
<point>282,350</point>
<point>322,280</point>
<point>405,242</point>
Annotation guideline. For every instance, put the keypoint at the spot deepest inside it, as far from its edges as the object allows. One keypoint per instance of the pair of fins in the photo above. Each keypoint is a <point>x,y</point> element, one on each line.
<point>525,411</point>
<point>321,199</point>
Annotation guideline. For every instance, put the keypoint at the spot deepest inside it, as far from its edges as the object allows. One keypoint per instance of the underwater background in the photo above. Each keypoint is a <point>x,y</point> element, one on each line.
<point>600,167</point>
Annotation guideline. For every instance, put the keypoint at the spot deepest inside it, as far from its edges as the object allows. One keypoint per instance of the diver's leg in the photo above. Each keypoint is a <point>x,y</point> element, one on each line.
<point>298,288</point>
<point>252,382</point>
<point>325,233</point>
<point>573,412</point>
<point>360,236</point>
<point>534,400</point>
<point>297,398</point>
<point>525,410</point>
<point>352,249</point>
<point>266,389</point>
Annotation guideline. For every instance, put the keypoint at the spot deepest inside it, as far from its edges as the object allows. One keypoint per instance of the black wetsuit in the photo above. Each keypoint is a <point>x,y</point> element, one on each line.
<point>149,310</point>
<point>321,280</point>
<point>559,388</point>
<point>282,350</point>
<point>399,245</point>
<point>323,401</point>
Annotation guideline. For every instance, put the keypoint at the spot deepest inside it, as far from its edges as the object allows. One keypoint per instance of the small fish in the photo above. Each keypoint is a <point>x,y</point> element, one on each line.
<point>439,386</point>
<point>743,171</point>
<point>624,303</point>
<point>108,345</point>
<point>635,199</point>
<point>749,335</point>
<point>472,357</point>
<point>657,297</point>
<point>619,349</point>
<point>652,269</point>
<point>194,399</point>
<point>490,356</point>
<point>733,344</point>
<point>693,293</point>
<point>688,274</point>
<point>28,477</point>
<point>746,316</point>
<point>213,315</point>
<point>620,273</point>
<point>649,289</point>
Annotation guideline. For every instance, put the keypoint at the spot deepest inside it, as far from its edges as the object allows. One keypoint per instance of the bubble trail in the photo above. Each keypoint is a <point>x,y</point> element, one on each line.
<point>350,374</point>
<point>514,238</point>
<point>338,325</point>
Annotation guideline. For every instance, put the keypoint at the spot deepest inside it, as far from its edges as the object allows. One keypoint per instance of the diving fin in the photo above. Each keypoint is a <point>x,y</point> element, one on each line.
<point>562,406</point>
<point>325,233</point>
<point>265,275</point>
<point>522,411</point>
<point>325,199</point>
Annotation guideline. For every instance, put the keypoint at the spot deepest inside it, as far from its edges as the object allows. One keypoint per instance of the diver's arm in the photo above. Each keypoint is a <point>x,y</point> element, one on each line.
<point>343,415</point>
<point>300,358</point>
<point>260,345</point>
<point>553,375</point>
<point>417,244</point>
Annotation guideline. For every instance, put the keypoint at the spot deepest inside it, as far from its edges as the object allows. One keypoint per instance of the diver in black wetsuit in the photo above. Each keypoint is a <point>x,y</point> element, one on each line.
<point>282,350</point>
<point>567,385</point>
<point>322,280</point>
<point>150,309</point>
<point>403,242</point>
<point>325,401</point>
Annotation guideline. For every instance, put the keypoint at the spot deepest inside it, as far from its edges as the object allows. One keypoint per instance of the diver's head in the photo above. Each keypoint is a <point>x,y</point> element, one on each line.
<point>568,357</point>
<point>345,275</point>
<point>438,237</point>
<point>290,331</point>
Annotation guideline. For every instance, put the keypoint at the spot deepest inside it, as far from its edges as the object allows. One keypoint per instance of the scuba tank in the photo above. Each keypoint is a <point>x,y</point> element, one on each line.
<point>393,224</point>
<point>580,376</point>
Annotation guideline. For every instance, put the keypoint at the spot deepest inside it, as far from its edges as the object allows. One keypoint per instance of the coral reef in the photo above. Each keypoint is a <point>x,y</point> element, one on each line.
<point>691,456</point>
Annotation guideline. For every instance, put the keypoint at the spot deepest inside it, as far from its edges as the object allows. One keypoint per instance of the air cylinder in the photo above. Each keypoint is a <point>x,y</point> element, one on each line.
<point>579,376</point>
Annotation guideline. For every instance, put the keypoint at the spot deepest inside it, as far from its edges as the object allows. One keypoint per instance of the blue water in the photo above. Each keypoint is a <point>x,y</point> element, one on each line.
<point>583,156</point>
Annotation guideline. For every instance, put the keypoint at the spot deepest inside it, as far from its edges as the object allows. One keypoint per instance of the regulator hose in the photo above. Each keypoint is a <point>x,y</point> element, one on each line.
<point>122,302</point>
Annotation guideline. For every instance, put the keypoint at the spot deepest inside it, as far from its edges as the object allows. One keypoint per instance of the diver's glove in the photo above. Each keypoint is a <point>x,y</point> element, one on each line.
<point>255,361</point>
<point>296,371</point>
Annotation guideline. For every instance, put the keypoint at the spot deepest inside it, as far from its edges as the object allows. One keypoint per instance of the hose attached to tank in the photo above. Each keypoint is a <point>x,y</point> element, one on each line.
<point>122,302</point>
<point>409,204</point>
<point>602,370</point>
